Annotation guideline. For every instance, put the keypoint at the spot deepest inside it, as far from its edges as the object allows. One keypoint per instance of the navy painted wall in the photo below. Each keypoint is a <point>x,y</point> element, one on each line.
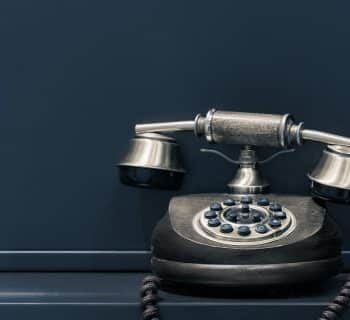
<point>76,75</point>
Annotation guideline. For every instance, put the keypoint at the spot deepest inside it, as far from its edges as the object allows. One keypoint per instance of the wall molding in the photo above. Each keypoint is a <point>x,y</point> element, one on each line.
<point>75,260</point>
<point>84,260</point>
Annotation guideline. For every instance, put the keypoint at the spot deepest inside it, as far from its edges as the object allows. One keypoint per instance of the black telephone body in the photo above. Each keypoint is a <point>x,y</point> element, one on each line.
<point>283,240</point>
<point>247,237</point>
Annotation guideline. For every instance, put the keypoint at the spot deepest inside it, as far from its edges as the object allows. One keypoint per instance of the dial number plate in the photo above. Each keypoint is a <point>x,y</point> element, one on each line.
<point>244,222</point>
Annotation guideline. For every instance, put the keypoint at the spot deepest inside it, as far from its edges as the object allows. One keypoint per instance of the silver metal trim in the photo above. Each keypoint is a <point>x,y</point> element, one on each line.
<point>299,128</point>
<point>155,136</point>
<point>341,150</point>
<point>172,126</point>
<point>208,126</point>
<point>130,164</point>
<point>195,129</point>
<point>197,225</point>
<point>220,154</point>
<point>153,151</point>
<point>283,130</point>
<point>324,137</point>
<point>333,168</point>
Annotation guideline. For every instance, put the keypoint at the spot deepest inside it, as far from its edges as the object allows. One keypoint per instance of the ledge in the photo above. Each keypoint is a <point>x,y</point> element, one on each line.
<point>89,260</point>
<point>75,260</point>
<point>116,296</point>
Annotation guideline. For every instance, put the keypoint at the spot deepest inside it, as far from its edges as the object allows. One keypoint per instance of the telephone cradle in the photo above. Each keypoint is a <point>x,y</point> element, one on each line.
<point>248,238</point>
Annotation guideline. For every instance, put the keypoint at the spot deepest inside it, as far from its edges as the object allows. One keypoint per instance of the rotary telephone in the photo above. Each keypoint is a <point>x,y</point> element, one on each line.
<point>248,237</point>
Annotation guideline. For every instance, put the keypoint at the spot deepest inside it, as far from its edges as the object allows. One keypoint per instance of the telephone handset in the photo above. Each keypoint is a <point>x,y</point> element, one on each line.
<point>247,237</point>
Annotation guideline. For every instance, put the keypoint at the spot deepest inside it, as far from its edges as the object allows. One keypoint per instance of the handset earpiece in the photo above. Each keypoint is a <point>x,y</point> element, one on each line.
<point>152,161</point>
<point>330,179</point>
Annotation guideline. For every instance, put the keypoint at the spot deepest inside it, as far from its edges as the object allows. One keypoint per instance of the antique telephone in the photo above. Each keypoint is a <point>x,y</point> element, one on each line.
<point>247,237</point>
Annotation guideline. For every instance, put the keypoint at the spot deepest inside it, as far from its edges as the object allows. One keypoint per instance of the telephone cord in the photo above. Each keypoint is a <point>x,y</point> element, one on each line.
<point>339,304</point>
<point>150,309</point>
<point>149,298</point>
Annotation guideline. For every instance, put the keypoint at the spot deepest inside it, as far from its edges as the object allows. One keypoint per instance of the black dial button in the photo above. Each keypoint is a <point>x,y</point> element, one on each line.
<point>214,222</point>
<point>245,208</point>
<point>263,202</point>
<point>275,207</point>
<point>246,199</point>
<point>275,223</point>
<point>226,228</point>
<point>210,214</point>
<point>244,215</point>
<point>229,202</point>
<point>257,217</point>
<point>261,228</point>
<point>216,206</point>
<point>243,231</point>
<point>231,215</point>
<point>279,215</point>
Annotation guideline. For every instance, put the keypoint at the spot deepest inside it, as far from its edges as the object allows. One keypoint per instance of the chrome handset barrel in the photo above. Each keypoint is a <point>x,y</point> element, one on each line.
<point>257,129</point>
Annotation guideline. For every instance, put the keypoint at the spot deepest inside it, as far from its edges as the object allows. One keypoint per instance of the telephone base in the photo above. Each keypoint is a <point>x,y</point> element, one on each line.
<point>218,275</point>
<point>298,243</point>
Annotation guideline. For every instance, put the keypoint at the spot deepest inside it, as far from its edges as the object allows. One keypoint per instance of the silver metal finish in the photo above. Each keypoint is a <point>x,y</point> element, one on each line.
<point>243,128</point>
<point>250,128</point>
<point>208,129</point>
<point>275,155</point>
<point>155,151</point>
<point>324,137</point>
<point>248,180</point>
<point>230,160</point>
<point>298,129</point>
<point>220,154</point>
<point>200,224</point>
<point>197,125</point>
<point>284,138</point>
<point>333,169</point>
<point>165,127</point>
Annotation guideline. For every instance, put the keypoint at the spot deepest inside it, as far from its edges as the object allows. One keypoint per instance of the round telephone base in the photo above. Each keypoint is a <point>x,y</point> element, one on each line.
<point>240,276</point>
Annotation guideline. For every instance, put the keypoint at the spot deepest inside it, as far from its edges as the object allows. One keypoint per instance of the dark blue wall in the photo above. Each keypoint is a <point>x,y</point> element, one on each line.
<point>76,75</point>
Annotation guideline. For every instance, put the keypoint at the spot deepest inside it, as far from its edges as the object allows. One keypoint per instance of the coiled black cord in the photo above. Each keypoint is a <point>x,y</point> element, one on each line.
<point>340,302</point>
<point>150,309</point>
<point>149,298</point>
